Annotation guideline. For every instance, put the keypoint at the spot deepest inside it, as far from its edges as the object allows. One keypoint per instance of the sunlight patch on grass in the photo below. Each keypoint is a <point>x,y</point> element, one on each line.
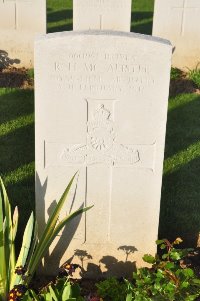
<point>141,22</point>
<point>20,174</point>
<point>13,125</point>
<point>181,100</point>
<point>182,158</point>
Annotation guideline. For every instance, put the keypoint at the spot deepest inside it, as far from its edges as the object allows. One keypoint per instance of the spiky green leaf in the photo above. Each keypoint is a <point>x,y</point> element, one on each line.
<point>26,242</point>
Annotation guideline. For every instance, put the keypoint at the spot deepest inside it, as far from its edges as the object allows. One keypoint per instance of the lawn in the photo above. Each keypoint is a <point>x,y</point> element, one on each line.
<point>180,204</point>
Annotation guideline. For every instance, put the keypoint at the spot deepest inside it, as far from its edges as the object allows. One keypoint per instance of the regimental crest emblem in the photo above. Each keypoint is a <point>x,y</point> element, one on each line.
<point>101,134</point>
<point>101,147</point>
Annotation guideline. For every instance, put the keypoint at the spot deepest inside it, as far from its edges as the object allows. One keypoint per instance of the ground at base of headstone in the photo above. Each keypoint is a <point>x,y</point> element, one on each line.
<point>88,286</point>
<point>16,78</point>
<point>117,289</point>
<point>182,82</point>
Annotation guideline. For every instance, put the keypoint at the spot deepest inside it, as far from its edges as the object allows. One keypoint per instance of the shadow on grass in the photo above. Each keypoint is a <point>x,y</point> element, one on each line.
<point>180,201</point>
<point>60,28</point>
<point>61,19</point>
<point>17,149</point>
<point>180,204</point>
<point>61,15</point>
<point>17,152</point>
<point>183,128</point>
<point>15,103</point>
<point>142,22</point>
<point>22,194</point>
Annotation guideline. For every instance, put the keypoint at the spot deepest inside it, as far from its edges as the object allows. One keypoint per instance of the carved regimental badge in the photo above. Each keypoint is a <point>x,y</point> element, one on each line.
<point>101,146</point>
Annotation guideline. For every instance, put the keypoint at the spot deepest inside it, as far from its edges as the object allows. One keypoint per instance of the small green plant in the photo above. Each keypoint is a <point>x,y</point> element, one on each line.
<point>64,288</point>
<point>175,73</point>
<point>112,289</point>
<point>168,279</point>
<point>30,73</point>
<point>15,275</point>
<point>194,76</point>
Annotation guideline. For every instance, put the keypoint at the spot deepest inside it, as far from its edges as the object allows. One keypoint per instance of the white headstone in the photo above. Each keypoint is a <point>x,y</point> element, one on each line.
<point>102,15</point>
<point>20,21</point>
<point>101,108</point>
<point>178,21</point>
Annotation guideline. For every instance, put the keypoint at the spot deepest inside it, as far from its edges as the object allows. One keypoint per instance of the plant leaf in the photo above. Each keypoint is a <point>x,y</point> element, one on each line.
<point>53,294</point>
<point>15,222</point>
<point>149,258</point>
<point>2,249</point>
<point>26,242</point>
<point>48,229</point>
<point>7,233</point>
<point>129,297</point>
<point>66,292</point>
<point>47,242</point>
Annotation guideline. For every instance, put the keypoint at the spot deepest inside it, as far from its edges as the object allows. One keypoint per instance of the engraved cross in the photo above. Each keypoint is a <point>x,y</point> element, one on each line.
<point>16,10</point>
<point>100,22</point>
<point>184,9</point>
<point>101,148</point>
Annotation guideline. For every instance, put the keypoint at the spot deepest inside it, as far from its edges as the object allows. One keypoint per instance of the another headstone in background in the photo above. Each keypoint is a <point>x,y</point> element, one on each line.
<point>101,108</point>
<point>178,21</point>
<point>102,15</point>
<point>20,21</point>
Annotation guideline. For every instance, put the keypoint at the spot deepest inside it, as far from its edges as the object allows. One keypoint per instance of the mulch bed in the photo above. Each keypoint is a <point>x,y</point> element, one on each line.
<point>15,78</point>
<point>182,85</point>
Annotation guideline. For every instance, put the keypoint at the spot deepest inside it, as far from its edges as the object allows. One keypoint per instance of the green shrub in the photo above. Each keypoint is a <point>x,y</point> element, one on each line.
<point>30,73</point>
<point>194,76</point>
<point>175,73</point>
<point>167,280</point>
<point>111,289</point>
<point>62,290</point>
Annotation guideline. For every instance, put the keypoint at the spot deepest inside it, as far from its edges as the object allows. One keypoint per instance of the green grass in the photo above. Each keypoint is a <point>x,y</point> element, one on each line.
<point>194,76</point>
<point>180,202</point>
<point>59,15</point>
<point>17,148</point>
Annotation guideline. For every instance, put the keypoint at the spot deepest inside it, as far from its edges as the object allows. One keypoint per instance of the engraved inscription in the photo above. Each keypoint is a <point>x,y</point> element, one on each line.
<point>102,72</point>
<point>184,10</point>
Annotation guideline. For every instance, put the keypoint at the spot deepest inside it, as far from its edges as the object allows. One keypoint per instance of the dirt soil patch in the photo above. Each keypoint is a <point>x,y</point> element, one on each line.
<point>15,78</point>
<point>181,86</point>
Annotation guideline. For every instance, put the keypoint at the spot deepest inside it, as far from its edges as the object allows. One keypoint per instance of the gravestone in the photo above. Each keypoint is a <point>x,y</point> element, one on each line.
<point>20,21</point>
<point>102,111</point>
<point>178,21</point>
<point>102,15</point>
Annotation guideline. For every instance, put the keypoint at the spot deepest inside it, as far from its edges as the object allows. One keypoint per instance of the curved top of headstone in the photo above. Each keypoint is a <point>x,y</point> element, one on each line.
<point>103,33</point>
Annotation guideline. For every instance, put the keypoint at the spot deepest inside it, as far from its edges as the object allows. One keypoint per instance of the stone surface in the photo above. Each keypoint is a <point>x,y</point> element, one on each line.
<point>102,111</point>
<point>178,21</point>
<point>102,15</point>
<point>20,21</point>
